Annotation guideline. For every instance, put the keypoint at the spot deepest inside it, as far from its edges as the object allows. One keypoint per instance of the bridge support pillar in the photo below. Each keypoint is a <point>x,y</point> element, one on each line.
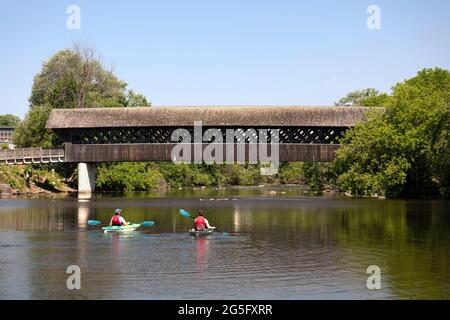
<point>86,178</point>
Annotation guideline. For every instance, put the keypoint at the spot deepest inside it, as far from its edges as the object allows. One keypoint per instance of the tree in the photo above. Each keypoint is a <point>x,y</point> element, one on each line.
<point>76,78</point>
<point>72,78</point>
<point>404,151</point>
<point>365,97</point>
<point>136,100</point>
<point>31,132</point>
<point>9,120</point>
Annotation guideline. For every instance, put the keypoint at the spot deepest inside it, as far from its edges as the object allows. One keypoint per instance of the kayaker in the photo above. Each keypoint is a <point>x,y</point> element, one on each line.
<point>201,223</point>
<point>117,219</point>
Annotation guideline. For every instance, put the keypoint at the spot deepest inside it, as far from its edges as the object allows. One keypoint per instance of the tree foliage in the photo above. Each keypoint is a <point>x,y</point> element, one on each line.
<point>367,97</point>
<point>136,100</point>
<point>9,120</point>
<point>291,173</point>
<point>404,151</point>
<point>72,78</point>
<point>31,132</point>
<point>127,176</point>
<point>76,78</point>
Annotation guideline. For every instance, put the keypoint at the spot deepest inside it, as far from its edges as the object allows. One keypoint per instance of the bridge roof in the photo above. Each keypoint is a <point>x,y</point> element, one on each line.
<point>210,116</point>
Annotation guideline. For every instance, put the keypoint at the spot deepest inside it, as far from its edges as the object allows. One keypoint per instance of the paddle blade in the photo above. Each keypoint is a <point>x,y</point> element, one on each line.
<point>184,213</point>
<point>94,222</point>
<point>148,223</point>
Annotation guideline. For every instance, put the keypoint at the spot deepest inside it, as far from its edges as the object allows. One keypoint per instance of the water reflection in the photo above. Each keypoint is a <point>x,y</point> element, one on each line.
<point>84,212</point>
<point>289,247</point>
<point>202,247</point>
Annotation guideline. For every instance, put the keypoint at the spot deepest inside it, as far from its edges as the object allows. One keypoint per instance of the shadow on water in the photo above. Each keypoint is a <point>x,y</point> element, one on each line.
<point>289,246</point>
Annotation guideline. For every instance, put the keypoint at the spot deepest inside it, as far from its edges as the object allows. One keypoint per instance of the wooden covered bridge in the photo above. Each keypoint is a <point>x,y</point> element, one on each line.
<point>94,135</point>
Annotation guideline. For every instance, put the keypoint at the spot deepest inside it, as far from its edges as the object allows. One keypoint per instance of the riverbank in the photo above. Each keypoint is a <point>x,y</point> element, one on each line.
<point>31,180</point>
<point>142,176</point>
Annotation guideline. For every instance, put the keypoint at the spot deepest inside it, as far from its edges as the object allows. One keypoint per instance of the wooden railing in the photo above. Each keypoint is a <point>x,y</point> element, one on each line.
<point>31,156</point>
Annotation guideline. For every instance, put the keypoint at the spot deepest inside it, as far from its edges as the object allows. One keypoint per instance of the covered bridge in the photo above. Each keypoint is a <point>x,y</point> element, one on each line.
<point>147,134</point>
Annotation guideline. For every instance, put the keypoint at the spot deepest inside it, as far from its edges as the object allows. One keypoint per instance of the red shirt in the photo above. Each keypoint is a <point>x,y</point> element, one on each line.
<point>200,223</point>
<point>116,220</point>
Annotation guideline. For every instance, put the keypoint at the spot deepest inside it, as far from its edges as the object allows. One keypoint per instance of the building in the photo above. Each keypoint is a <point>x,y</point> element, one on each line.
<point>6,134</point>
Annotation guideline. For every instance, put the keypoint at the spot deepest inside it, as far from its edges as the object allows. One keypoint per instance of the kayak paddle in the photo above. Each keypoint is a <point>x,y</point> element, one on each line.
<point>143,223</point>
<point>148,223</point>
<point>184,213</point>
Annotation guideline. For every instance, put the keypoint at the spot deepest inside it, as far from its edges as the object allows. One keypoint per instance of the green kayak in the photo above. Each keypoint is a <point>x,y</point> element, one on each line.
<point>130,227</point>
<point>197,233</point>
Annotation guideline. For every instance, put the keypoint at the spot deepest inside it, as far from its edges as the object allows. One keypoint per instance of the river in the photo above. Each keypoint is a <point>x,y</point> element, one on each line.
<point>284,243</point>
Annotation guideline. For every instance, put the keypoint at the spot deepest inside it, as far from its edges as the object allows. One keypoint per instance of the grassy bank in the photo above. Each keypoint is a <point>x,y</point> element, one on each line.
<point>25,179</point>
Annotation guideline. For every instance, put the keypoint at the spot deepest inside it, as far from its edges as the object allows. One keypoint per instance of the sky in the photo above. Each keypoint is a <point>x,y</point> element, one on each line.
<point>229,52</point>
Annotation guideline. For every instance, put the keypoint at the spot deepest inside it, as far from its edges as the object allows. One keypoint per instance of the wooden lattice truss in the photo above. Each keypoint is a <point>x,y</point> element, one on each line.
<point>309,135</point>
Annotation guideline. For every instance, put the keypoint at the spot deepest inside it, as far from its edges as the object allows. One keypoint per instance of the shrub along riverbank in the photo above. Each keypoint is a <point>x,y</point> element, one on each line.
<point>145,176</point>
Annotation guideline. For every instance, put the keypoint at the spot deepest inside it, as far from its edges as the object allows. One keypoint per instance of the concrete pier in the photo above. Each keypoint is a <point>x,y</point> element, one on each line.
<point>86,178</point>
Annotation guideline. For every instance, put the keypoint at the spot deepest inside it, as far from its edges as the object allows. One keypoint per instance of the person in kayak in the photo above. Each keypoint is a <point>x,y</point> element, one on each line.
<point>117,219</point>
<point>201,223</point>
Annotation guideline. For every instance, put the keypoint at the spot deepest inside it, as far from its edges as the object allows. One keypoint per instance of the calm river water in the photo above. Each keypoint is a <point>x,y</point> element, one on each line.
<point>288,245</point>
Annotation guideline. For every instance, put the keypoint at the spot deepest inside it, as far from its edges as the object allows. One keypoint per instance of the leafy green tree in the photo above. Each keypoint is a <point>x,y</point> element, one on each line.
<point>76,78</point>
<point>31,132</point>
<point>9,120</point>
<point>404,151</point>
<point>366,97</point>
<point>72,78</point>
<point>136,100</point>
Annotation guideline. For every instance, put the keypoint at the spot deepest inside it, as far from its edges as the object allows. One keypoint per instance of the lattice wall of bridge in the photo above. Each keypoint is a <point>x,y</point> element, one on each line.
<point>308,135</point>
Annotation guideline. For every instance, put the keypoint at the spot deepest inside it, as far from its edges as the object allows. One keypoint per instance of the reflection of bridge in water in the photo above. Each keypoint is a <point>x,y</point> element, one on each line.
<point>95,135</point>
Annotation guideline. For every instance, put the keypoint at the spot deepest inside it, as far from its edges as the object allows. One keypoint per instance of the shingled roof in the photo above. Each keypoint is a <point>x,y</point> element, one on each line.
<point>280,116</point>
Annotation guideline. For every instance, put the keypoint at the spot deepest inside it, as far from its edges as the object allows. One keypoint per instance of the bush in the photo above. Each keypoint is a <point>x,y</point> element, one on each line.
<point>242,175</point>
<point>291,172</point>
<point>315,175</point>
<point>128,177</point>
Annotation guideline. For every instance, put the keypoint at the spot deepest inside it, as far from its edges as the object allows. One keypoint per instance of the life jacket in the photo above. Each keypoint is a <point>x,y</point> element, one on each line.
<point>116,220</point>
<point>200,223</point>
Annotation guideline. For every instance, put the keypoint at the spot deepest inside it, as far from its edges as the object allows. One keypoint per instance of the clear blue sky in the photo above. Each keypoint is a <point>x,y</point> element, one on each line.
<point>229,52</point>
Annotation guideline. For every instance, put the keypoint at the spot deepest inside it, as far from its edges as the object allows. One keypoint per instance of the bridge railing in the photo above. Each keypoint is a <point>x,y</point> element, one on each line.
<point>31,156</point>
